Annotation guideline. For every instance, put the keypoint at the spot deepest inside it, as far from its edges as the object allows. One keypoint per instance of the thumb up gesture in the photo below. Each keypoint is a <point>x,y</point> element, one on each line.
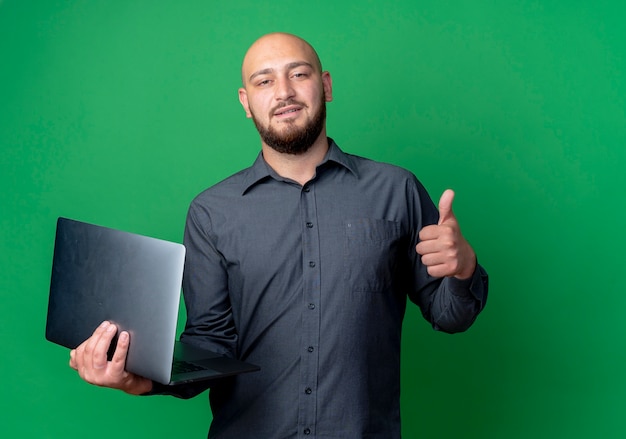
<point>443,249</point>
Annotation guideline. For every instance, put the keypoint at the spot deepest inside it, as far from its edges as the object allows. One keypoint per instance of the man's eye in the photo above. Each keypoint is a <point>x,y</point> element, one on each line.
<point>264,82</point>
<point>300,75</point>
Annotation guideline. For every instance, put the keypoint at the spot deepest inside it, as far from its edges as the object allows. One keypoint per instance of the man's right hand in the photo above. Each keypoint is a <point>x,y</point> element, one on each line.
<point>90,361</point>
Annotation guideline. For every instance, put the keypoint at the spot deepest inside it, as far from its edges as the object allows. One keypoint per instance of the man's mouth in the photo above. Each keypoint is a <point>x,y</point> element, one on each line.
<point>287,111</point>
<point>280,113</point>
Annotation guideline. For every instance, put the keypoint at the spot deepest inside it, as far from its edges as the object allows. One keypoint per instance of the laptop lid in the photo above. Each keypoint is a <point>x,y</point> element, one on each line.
<point>134,281</point>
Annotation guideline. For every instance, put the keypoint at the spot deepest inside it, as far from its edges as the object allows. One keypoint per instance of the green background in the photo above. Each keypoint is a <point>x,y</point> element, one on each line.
<point>119,112</point>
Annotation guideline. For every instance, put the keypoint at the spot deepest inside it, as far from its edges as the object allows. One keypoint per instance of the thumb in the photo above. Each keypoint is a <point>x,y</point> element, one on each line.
<point>445,206</point>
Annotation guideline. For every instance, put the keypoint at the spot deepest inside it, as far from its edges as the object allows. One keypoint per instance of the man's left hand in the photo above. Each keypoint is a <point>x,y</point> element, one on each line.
<point>443,249</point>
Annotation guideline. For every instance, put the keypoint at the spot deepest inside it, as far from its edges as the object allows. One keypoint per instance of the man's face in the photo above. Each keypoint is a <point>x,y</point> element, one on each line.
<point>285,92</point>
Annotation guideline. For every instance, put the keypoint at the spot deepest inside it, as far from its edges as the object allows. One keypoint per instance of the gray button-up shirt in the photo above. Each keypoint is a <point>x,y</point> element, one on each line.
<point>310,282</point>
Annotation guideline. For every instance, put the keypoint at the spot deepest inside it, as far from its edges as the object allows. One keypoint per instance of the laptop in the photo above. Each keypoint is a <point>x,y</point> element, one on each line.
<point>134,281</point>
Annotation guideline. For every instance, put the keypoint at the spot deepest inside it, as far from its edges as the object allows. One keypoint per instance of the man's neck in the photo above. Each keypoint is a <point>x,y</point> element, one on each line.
<point>297,167</point>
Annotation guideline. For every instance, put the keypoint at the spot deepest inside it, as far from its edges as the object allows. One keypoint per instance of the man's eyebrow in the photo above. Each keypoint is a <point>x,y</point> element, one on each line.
<point>259,73</point>
<point>295,64</point>
<point>289,66</point>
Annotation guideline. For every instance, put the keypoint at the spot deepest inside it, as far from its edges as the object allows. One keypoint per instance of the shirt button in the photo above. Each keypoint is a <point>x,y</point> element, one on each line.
<point>308,391</point>
<point>311,306</point>
<point>310,349</point>
<point>309,225</point>
<point>311,264</point>
<point>307,431</point>
<point>306,189</point>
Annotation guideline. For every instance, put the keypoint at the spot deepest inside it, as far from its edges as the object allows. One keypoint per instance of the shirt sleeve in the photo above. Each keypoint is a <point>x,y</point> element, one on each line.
<point>210,322</point>
<point>459,301</point>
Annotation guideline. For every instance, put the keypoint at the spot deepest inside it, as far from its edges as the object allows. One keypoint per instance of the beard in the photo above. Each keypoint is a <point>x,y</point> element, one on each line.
<point>293,139</point>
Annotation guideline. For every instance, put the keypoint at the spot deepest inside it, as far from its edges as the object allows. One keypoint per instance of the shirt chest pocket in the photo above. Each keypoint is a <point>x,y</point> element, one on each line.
<point>371,253</point>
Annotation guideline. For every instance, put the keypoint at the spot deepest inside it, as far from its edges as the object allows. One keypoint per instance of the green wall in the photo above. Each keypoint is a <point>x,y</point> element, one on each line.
<point>120,111</point>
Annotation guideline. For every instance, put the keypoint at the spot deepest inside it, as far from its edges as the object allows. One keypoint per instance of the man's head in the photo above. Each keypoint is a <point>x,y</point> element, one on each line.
<point>285,92</point>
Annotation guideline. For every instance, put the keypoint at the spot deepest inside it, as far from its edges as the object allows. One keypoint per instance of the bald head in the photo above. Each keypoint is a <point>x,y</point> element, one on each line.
<point>274,47</point>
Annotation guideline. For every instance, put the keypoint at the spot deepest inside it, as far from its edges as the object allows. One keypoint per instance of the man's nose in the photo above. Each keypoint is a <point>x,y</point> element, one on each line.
<point>284,90</point>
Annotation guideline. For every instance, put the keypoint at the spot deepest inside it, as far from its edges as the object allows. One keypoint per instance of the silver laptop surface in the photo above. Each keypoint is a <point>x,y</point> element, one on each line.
<point>134,281</point>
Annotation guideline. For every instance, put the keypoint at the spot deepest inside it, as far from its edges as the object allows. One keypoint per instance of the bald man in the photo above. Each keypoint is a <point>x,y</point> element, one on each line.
<point>302,264</point>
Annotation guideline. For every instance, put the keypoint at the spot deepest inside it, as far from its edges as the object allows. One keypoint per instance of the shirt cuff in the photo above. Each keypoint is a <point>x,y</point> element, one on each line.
<point>474,286</point>
<point>157,389</point>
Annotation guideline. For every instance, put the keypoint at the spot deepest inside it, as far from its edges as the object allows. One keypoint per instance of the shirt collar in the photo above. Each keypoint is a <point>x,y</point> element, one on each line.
<point>260,170</point>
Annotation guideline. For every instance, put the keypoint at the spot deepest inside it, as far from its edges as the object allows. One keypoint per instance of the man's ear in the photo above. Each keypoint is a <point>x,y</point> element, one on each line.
<point>327,82</point>
<point>243,99</point>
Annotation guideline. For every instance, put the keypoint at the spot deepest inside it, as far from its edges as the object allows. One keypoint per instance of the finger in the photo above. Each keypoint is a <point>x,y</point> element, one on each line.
<point>445,206</point>
<point>442,257</point>
<point>99,355</point>
<point>73,364</point>
<point>436,238</point>
<point>85,350</point>
<point>440,270</point>
<point>426,248</point>
<point>118,362</point>
<point>429,232</point>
